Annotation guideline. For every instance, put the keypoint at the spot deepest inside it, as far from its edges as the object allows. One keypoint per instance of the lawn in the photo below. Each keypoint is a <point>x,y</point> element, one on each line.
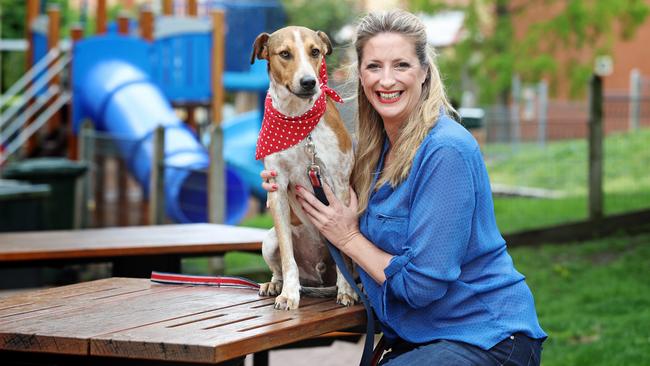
<point>593,299</point>
<point>562,167</point>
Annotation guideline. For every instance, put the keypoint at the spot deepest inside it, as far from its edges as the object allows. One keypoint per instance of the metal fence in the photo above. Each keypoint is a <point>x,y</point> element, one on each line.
<point>540,150</point>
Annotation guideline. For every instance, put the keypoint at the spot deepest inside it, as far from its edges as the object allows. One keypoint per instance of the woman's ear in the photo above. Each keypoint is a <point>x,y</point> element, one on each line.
<point>426,74</point>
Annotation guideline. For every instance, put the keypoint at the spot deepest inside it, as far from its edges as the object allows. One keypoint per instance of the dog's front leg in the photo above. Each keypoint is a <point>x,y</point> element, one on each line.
<point>289,298</point>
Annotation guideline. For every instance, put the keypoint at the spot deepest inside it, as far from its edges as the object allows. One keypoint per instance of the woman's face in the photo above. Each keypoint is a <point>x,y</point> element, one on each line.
<point>391,76</point>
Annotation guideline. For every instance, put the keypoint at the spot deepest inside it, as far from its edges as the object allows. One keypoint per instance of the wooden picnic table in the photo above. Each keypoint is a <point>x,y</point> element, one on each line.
<point>135,250</point>
<point>121,321</point>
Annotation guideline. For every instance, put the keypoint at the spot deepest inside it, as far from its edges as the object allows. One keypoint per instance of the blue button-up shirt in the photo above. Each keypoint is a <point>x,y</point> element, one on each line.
<point>451,276</point>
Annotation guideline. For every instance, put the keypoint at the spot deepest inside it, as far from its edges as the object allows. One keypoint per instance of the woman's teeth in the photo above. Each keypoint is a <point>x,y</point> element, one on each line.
<point>392,95</point>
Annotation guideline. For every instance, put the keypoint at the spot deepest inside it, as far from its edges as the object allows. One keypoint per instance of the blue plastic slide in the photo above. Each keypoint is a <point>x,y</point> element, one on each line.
<point>113,89</point>
<point>240,138</point>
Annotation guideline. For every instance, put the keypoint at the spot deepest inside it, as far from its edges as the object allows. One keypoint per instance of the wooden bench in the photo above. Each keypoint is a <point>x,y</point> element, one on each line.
<point>126,321</point>
<point>135,251</point>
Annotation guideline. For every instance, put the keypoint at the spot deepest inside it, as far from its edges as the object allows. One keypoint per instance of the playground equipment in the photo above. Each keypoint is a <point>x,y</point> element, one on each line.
<point>121,99</point>
<point>129,85</point>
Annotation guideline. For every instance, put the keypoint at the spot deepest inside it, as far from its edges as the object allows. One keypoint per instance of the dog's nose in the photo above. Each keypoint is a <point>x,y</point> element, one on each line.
<point>307,83</point>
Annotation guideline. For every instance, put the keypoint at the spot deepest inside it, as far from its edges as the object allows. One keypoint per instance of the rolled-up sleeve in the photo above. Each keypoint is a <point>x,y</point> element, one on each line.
<point>442,201</point>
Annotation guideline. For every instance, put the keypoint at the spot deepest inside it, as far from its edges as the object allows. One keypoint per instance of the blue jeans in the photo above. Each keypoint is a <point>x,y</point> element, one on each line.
<point>516,350</point>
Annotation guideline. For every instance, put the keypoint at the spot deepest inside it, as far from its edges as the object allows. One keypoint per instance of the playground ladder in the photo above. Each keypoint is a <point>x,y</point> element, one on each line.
<point>15,128</point>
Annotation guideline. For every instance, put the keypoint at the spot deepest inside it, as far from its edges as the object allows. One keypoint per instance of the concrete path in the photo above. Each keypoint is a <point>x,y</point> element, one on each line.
<point>340,353</point>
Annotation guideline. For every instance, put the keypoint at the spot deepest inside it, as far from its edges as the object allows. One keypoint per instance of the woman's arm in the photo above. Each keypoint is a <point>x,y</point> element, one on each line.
<point>340,225</point>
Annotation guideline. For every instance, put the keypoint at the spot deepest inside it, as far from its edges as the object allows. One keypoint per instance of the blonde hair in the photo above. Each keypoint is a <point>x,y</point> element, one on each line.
<point>370,130</point>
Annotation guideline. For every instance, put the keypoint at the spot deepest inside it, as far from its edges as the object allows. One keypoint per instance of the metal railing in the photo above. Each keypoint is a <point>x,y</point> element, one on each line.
<point>30,102</point>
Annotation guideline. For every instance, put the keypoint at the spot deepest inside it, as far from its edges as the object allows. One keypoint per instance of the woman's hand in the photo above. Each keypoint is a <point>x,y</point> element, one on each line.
<point>337,222</point>
<point>267,175</point>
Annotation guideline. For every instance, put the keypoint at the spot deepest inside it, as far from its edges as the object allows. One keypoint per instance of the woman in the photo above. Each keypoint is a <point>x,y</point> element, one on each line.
<point>423,231</point>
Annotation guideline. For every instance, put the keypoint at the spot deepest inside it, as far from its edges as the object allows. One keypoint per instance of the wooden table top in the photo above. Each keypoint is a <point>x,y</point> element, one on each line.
<point>137,319</point>
<point>128,241</point>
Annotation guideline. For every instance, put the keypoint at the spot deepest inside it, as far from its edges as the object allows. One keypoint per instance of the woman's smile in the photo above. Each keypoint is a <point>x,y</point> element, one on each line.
<point>389,97</point>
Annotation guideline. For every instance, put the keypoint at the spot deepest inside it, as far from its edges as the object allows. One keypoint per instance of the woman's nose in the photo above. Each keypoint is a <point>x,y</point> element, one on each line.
<point>387,78</point>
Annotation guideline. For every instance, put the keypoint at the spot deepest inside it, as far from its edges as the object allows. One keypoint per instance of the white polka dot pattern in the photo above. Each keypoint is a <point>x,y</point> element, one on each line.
<point>280,132</point>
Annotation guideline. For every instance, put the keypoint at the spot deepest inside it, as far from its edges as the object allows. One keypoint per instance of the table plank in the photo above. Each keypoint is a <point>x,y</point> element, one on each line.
<point>137,319</point>
<point>128,241</point>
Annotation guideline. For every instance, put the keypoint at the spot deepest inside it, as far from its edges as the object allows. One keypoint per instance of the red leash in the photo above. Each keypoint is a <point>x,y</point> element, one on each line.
<point>216,281</point>
<point>234,282</point>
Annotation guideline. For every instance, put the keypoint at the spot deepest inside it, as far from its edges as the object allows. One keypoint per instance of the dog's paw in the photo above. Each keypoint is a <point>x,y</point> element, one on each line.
<point>270,288</point>
<point>288,300</point>
<point>347,299</point>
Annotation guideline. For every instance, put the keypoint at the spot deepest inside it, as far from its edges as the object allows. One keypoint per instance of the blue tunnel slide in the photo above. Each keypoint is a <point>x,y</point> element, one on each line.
<point>116,92</point>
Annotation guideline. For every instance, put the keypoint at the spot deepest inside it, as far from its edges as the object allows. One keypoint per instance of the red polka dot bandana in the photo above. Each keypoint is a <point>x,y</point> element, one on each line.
<point>280,132</point>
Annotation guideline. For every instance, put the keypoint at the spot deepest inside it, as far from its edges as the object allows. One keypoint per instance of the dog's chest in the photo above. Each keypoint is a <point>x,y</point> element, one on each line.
<point>294,161</point>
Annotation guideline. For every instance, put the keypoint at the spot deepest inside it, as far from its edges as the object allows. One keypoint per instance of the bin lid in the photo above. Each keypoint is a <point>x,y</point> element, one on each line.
<point>38,167</point>
<point>14,189</point>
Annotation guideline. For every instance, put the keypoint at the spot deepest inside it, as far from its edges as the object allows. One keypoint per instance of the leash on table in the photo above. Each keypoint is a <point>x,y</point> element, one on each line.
<point>369,357</point>
<point>215,281</point>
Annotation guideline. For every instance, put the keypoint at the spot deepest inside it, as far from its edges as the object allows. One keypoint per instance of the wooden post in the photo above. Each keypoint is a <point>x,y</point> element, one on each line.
<point>157,179</point>
<point>146,32</point>
<point>123,201</point>
<point>191,118</point>
<point>123,24</point>
<point>101,17</point>
<point>596,148</point>
<point>216,171</point>
<point>218,49</point>
<point>86,152</point>
<point>192,8</point>
<point>168,7</point>
<point>99,182</point>
<point>192,11</point>
<point>146,23</point>
<point>31,14</point>
<point>53,14</point>
<point>76,34</point>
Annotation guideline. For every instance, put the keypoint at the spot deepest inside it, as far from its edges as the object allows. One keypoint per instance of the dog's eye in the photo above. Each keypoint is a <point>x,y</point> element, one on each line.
<point>315,52</point>
<point>285,55</point>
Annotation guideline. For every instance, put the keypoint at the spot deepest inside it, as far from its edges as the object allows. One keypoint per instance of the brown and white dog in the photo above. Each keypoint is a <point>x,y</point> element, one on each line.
<point>294,249</point>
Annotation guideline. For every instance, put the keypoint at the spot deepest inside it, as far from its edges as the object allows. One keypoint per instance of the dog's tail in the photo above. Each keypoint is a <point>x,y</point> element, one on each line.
<point>329,291</point>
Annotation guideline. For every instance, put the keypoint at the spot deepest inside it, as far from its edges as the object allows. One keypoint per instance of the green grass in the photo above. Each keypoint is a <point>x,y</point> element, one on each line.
<point>593,299</point>
<point>562,165</point>
<point>518,214</point>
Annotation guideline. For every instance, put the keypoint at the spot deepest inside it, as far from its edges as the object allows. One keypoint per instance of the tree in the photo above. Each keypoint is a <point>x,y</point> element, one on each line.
<point>492,52</point>
<point>12,24</point>
<point>324,15</point>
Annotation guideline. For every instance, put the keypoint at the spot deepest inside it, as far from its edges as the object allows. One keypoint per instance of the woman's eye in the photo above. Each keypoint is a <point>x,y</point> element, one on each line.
<point>372,66</point>
<point>285,55</point>
<point>315,52</point>
<point>403,65</point>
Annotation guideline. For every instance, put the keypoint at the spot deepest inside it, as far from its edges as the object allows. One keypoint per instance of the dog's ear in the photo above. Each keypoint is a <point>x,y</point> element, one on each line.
<point>260,48</point>
<point>326,41</point>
